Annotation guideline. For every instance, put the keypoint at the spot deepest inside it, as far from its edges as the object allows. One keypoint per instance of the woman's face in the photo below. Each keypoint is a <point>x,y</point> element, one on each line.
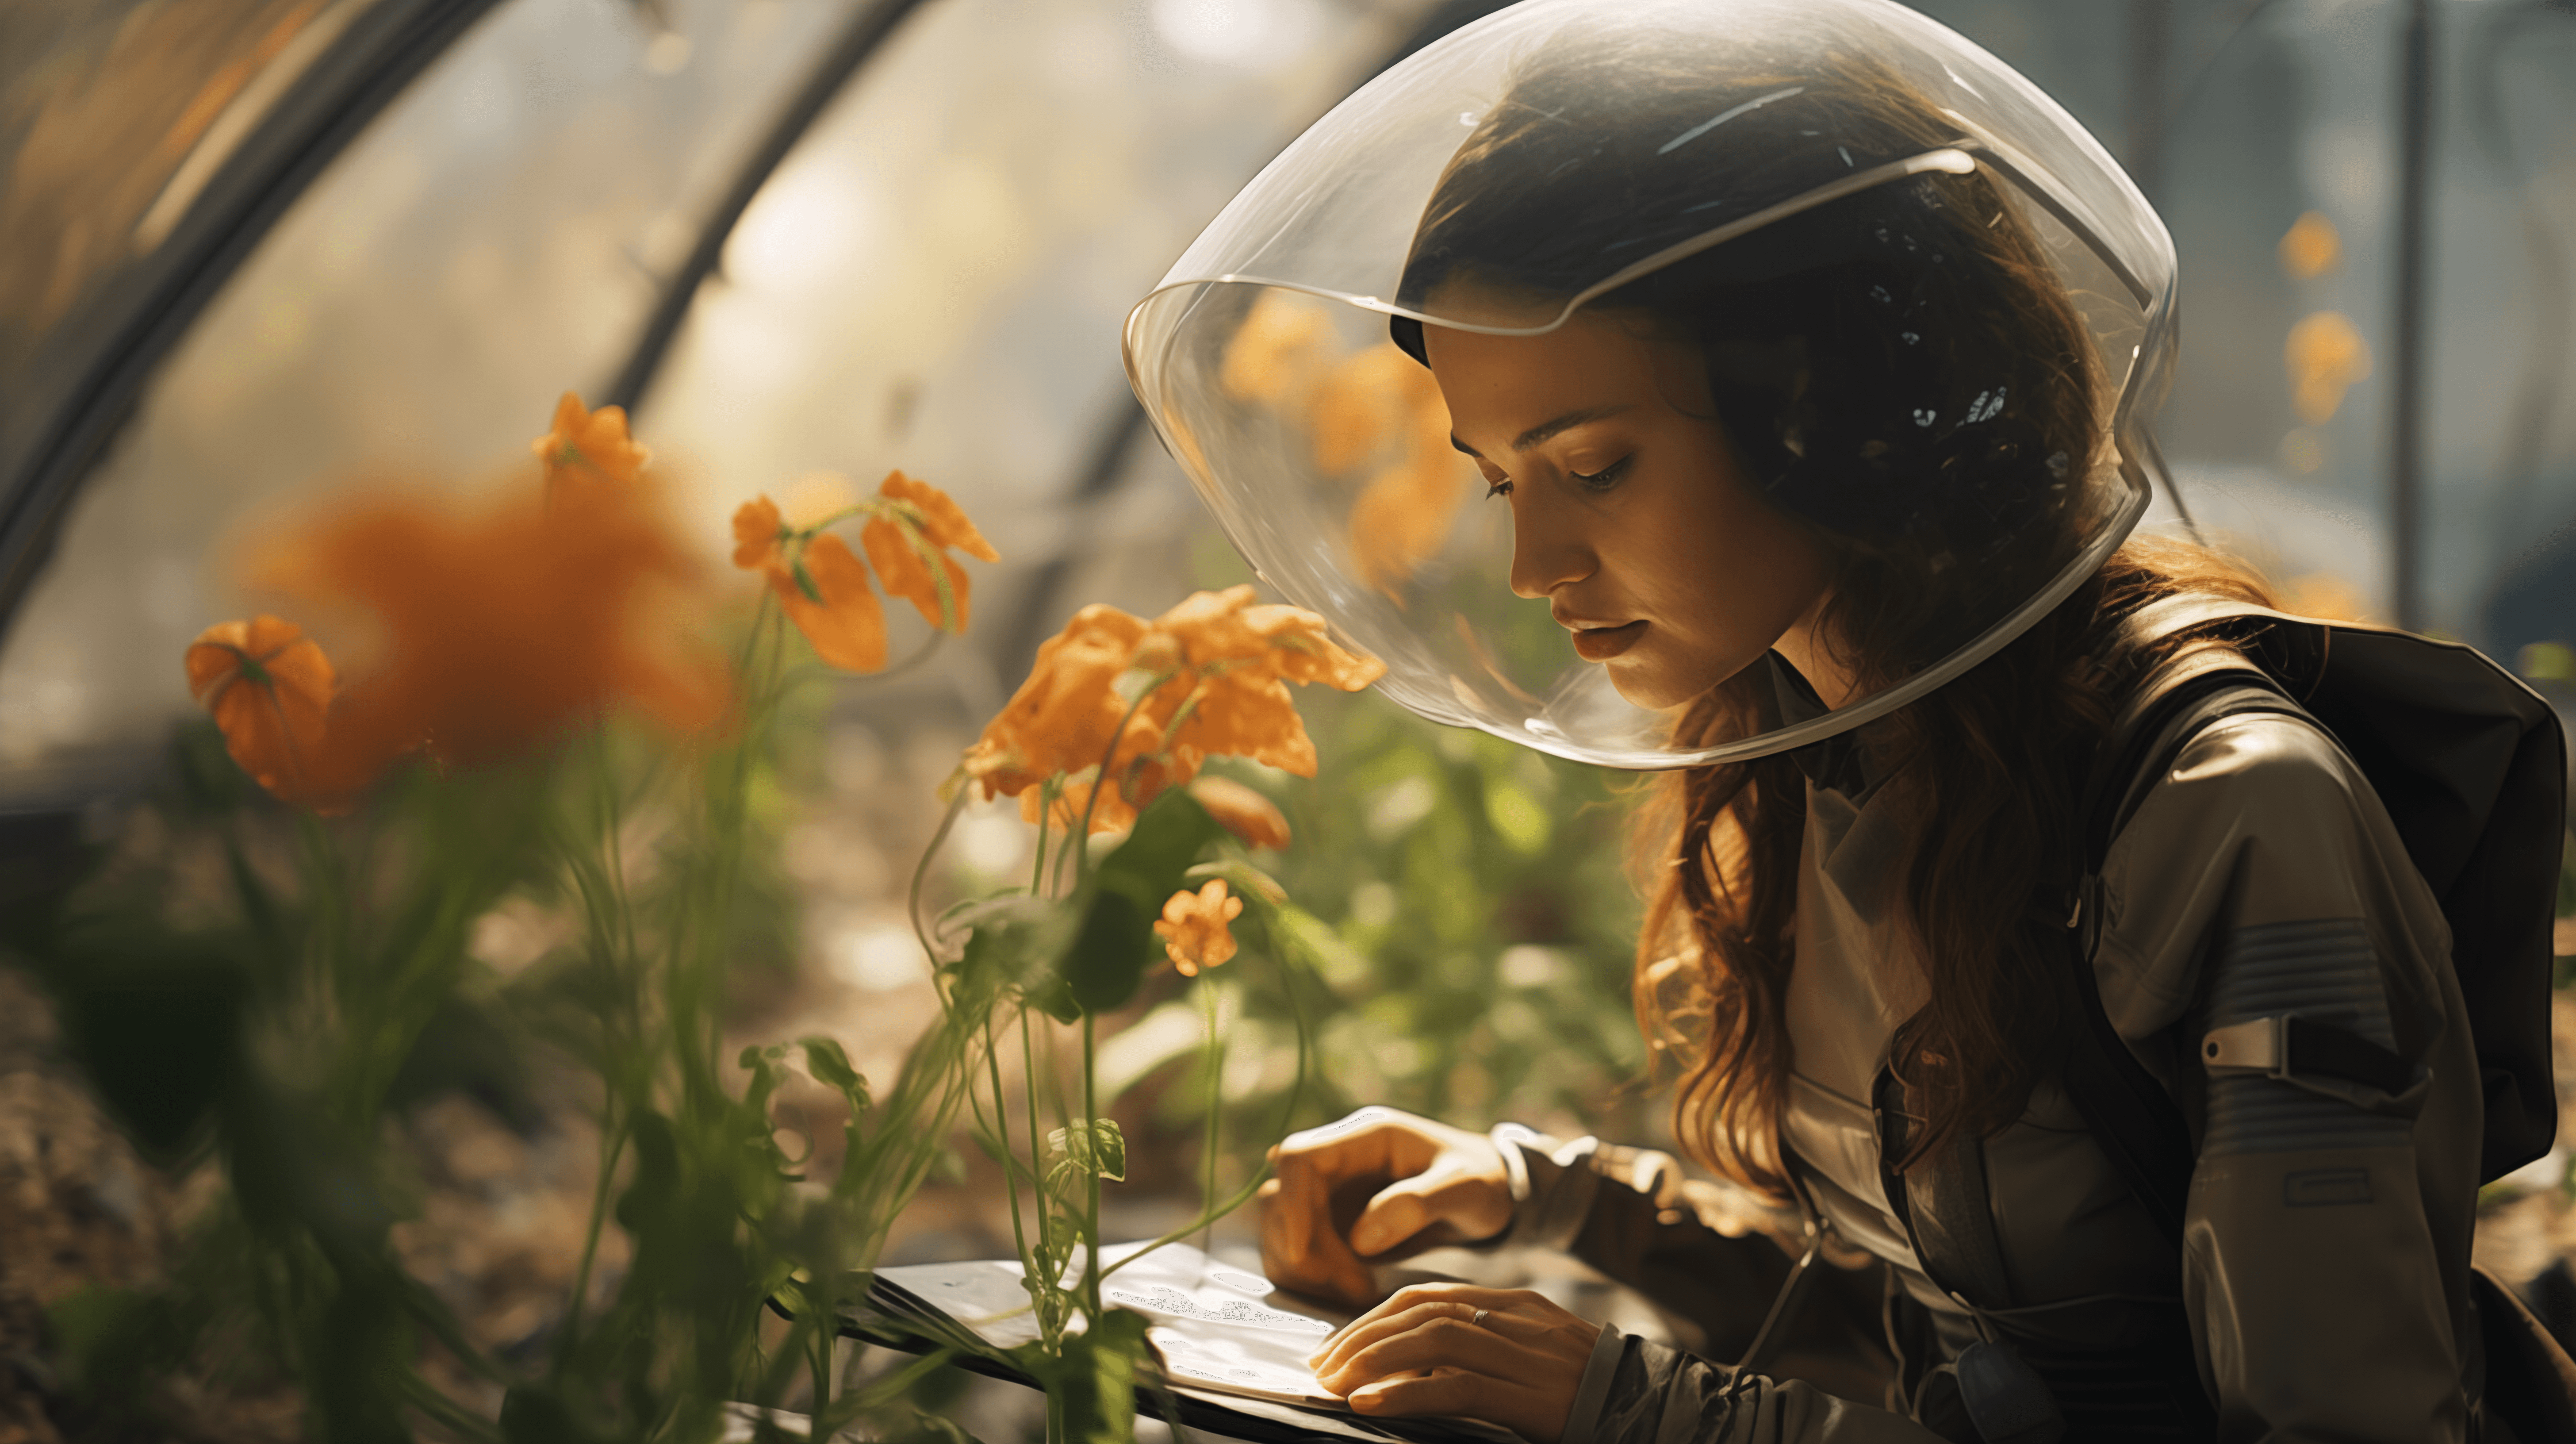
<point>1629,515</point>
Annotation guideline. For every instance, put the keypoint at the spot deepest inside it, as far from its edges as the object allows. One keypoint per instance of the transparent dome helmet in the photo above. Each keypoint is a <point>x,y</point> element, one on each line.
<point>1933,315</point>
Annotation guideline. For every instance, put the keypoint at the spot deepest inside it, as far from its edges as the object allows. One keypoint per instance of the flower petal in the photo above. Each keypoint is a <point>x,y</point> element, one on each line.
<point>590,443</point>
<point>943,521</point>
<point>756,530</point>
<point>847,624</point>
<point>906,574</point>
<point>269,689</point>
<point>1240,810</point>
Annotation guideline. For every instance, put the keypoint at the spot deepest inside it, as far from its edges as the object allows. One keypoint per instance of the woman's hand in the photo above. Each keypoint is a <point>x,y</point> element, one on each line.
<point>1412,1172</point>
<point>1427,1351</point>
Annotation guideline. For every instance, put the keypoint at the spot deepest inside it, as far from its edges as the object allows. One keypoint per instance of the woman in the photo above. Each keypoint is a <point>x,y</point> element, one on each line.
<point>1818,421</point>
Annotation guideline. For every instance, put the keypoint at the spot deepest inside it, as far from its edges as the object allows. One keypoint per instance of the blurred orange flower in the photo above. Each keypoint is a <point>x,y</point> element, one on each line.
<point>504,625</point>
<point>1193,927</point>
<point>1366,399</point>
<point>938,516</point>
<point>758,531</point>
<point>1403,516</point>
<point>269,688</point>
<point>824,587</point>
<point>1278,354</point>
<point>1240,810</point>
<point>821,585</point>
<point>589,444</point>
<point>1217,668</point>
<point>826,594</point>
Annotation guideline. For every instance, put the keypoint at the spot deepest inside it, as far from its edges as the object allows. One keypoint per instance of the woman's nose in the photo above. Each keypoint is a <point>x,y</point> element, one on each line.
<point>1547,551</point>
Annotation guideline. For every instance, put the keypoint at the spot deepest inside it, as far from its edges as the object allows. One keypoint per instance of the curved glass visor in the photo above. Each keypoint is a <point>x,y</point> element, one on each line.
<point>1932,315</point>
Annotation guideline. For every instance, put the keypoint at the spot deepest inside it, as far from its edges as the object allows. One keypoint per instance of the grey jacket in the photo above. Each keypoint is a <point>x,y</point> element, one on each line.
<point>2324,1275</point>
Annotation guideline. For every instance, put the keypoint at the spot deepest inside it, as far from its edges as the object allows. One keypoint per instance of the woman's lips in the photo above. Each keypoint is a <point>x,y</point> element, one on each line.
<point>1600,644</point>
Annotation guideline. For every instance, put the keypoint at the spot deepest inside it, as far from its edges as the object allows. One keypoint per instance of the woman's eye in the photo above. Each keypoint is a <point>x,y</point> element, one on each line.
<point>1495,487</point>
<point>1604,479</point>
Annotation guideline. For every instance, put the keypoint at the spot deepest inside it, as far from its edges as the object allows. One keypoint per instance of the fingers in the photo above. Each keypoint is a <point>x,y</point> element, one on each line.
<point>1442,1195</point>
<point>1419,1306</point>
<point>1432,1336</point>
<point>1299,1249</point>
<point>1459,1393</point>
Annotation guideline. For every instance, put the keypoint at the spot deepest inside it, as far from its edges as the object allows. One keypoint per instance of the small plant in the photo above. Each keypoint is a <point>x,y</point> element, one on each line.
<point>1109,734</point>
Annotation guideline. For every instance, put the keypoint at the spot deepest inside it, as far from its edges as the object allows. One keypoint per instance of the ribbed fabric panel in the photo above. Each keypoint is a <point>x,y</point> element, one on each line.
<point>2323,970</point>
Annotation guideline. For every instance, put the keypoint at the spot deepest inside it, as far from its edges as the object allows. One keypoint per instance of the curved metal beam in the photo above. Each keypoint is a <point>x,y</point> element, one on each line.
<point>122,336</point>
<point>859,40</point>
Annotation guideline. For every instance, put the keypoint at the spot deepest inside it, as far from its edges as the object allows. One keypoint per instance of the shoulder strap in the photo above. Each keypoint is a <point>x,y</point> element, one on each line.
<point>2132,1117</point>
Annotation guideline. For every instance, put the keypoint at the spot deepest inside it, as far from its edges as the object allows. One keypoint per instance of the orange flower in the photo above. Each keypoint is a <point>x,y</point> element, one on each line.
<point>589,443</point>
<point>1062,718</point>
<point>1279,351</point>
<point>1362,401</point>
<point>940,518</point>
<point>757,532</point>
<point>269,688</point>
<point>821,584</point>
<point>1240,810</point>
<point>907,575</point>
<point>504,625</point>
<point>924,522</point>
<point>826,594</point>
<point>1223,666</point>
<point>1194,930</point>
<point>1403,517</point>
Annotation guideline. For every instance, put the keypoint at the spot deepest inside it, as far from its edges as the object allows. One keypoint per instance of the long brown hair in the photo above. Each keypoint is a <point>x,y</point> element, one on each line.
<point>1989,767</point>
<point>1904,373</point>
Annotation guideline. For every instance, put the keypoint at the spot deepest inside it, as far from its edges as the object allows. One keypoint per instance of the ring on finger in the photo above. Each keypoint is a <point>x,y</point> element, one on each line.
<point>1479,1320</point>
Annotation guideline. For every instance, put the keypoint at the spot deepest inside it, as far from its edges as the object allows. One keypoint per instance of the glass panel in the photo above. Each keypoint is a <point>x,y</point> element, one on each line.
<point>492,240</point>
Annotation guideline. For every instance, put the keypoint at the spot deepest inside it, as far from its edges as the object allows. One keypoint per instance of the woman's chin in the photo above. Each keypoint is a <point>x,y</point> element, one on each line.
<point>1656,685</point>
<point>1647,686</point>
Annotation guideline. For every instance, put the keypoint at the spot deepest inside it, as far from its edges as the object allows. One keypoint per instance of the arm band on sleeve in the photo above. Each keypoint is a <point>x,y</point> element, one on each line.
<point>2327,971</point>
<point>1594,1390</point>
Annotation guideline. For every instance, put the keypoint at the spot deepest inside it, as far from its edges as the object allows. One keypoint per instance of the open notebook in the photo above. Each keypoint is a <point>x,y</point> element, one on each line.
<point>1235,1347</point>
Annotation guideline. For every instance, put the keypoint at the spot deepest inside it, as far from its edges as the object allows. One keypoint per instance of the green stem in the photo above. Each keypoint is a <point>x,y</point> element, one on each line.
<point>612,1147</point>
<point>1046,1265</point>
<point>1296,1095</point>
<point>1215,1055</point>
<point>1048,792</point>
<point>1002,1128</point>
<point>921,873</point>
<point>1091,1215</point>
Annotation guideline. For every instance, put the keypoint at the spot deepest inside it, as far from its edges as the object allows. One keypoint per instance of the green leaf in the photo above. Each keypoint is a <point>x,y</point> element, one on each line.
<point>1013,943</point>
<point>830,1066</point>
<point>1098,1150</point>
<point>1126,893</point>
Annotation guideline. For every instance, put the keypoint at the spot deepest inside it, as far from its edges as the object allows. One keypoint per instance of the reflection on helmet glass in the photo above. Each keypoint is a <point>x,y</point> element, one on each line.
<point>1921,308</point>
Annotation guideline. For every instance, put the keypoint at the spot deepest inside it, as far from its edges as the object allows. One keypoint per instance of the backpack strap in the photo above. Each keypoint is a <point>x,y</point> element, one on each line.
<point>2132,1117</point>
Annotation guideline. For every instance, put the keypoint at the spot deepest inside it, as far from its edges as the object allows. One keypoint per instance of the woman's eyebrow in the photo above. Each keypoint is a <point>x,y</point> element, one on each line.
<point>1541,432</point>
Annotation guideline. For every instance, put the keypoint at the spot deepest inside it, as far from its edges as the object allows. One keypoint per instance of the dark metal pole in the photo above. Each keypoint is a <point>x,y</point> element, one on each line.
<point>868,29</point>
<point>2408,327</point>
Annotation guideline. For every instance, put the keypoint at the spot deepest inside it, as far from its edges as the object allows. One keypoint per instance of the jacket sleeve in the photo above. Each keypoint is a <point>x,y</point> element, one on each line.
<point>1690,1248</point>
<point>1715,1265</point>
<point>1657,1395</point>
<point>2326,1237</point>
